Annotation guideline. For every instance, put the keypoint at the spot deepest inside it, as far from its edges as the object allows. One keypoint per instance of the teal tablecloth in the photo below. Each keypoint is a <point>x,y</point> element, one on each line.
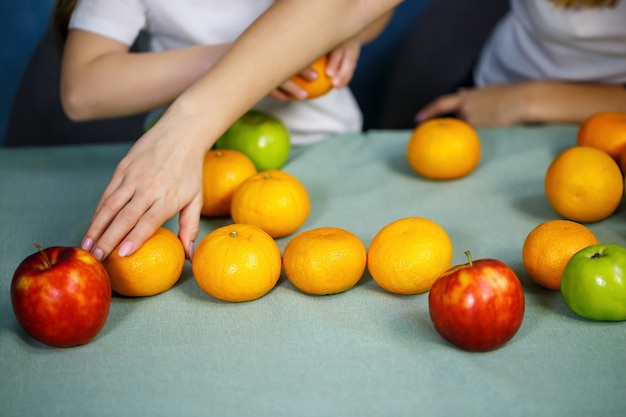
<point>362,353</point>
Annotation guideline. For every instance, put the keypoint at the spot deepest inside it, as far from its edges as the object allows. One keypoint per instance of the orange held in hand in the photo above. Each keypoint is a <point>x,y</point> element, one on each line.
<point>548,248</point>
<point>408,255</point>
<point>223,171</point>
<point>273,200</point>
<point>237,263</point>
<point>443,149</point>
<point>319,86</point>
<point>326,260</point>
<point>151,270</point>
<point>584,184</point>
<point>605,131</point>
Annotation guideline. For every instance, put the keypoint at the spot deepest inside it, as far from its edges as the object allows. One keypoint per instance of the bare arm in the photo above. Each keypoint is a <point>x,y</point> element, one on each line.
<point>529,102</point>
<point>572,102</point>
<point>100,78</point>
<point>342,61</point>
<point>162,173</point>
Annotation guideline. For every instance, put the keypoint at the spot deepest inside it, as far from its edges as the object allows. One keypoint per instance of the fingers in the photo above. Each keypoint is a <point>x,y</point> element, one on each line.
<point>130,221</point>
<point>342,63</point>
<point>446,104</point>
<point>111,203</point>
<point>291,90</point>
<point>144,227</point>
<point>335,58</point>
<point>280,95</point>
<point>189,224</point>
<point>308,74</point>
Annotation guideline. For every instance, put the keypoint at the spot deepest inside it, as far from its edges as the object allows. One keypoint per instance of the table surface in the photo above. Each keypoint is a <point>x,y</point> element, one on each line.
<point>364,352</point>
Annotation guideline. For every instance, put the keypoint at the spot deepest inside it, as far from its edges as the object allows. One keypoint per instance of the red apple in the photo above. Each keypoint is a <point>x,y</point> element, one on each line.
<point>61,296</point>
<point>478,306</point>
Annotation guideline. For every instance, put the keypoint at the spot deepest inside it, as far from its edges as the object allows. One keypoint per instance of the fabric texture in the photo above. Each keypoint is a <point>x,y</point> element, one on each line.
<point>364,352</point>
<point>538,40</point>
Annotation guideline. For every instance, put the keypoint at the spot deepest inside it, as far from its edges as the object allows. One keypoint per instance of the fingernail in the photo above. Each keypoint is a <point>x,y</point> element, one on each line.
<point>190,250</point>
<point>125,248</point>
<point>419,117</point>
<point>98,254</point>
<point>87,244</point>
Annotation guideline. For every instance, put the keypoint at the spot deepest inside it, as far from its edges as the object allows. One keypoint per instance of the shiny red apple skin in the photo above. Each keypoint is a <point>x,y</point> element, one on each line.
<point>478,306</point>
<point>64,300</point>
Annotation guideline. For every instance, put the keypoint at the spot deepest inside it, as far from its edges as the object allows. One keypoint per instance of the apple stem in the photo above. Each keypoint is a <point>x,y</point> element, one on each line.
<point>45,257</point>
<point>469,257</point>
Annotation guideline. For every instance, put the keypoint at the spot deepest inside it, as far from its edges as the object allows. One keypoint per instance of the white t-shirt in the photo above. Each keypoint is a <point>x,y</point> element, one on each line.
<point>537,40</point>
<point>169,24</point>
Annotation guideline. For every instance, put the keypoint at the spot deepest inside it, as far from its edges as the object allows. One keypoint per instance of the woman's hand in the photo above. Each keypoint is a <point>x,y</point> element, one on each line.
<point>493,105</point>
<point>154,181</point>
<point>341,65</point>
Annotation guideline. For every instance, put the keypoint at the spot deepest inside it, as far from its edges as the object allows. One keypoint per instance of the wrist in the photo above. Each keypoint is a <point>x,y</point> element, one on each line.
<point>532,108</point>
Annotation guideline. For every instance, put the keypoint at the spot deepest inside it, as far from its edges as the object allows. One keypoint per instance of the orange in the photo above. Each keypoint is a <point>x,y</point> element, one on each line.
<point>622,161</point>
<point>584,184</point>
<point>443,149</point>
<point>319,86</point>
<point>154,268</point>
<point>223,171</point>
<point>273,200</point>
<point>605,131</point>
<point>326,260</point>
<point>549,246</point>
<point>408,255</point>
<point>236,263</point>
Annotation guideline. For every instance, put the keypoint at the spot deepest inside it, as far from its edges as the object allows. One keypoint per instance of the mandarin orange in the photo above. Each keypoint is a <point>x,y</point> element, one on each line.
<point>154,268</point>
<point>605,131</point>
<point>236,263</point>
<point>326,260</point>
<point>320,85</point>
<point>223,171</point>
<point>273,200</point>
<point>548,248</point>
<point>408,255</point>
<point>443,149</point>
<point>584,184</point>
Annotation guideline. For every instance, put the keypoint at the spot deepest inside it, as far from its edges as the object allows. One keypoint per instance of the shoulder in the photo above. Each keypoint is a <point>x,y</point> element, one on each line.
<point>118,19</point>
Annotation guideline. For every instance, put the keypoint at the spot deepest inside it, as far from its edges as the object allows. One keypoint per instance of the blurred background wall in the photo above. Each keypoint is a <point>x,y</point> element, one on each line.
<point>22,23</point>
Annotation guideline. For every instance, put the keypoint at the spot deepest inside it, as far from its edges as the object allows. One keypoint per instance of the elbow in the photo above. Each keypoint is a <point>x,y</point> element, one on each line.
<point>74,104</point>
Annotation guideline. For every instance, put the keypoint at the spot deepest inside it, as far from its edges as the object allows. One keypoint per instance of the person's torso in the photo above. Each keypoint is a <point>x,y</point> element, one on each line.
<point>165,24</point>
<point>538,40</point>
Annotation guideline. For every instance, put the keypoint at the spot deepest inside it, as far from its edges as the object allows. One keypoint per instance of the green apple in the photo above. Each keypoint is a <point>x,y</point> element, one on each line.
<point>593,283</point>
<point>261,137</point>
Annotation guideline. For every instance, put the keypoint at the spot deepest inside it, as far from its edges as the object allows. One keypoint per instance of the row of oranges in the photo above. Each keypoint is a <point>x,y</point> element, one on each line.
<point>242,261</point>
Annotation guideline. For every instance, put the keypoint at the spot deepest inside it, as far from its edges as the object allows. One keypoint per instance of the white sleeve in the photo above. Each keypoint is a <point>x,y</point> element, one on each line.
<point>121,20</point>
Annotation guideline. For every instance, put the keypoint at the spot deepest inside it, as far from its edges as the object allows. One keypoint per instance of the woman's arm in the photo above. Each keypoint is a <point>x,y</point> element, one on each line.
<point>528,102</point>
<point>341,64</point>
<point>101,78</point>
<point>162,173</point>
<point>563,102</point>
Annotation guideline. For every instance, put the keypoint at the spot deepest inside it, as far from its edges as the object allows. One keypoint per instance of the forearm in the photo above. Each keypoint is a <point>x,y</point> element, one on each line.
<point>285,39</point>
<point>373,30</point>
<point>116,82</point>
<point>571,102</point>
